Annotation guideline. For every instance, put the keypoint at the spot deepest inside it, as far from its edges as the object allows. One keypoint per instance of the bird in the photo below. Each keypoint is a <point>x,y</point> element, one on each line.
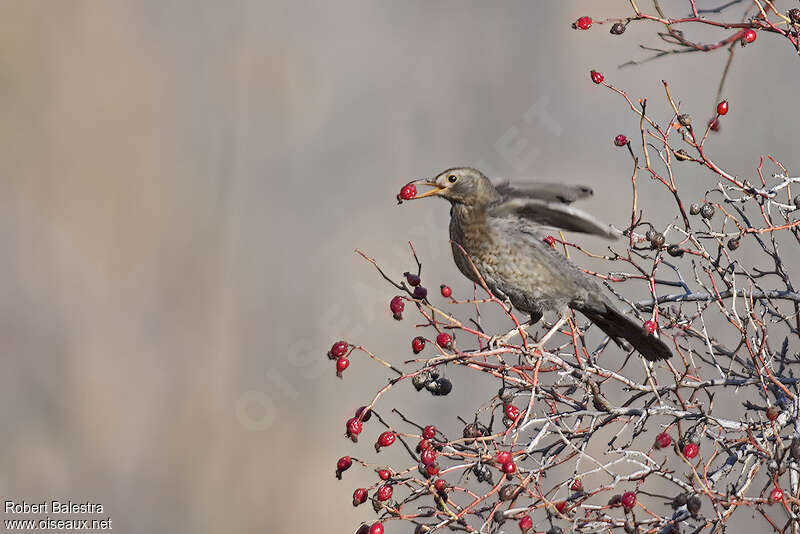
<point>497,235</point>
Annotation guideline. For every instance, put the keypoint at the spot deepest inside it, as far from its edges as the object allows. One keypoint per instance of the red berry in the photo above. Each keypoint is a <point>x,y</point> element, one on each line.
<point>359,496</point>
<point>722,107</point>
<point>338,349</point>
<point>386,438</point>
<point>550,240</point>
<point>420,293</point>
<point>444,340</point>
<point>776,495</point>
<point>342,364</point>
<point>425,444</point>
<point>384,492</point>
<point>628,500</point>
<point>749,36</point>
<point>525,523</point>
<point>509,467</point>
<point>583,23</point>
<point>596,77</point>
<point>397,306</point>
<point>376,528</point>
<point>407,192</point>
<point>384,474</point>
<point>412,279</point>
<point>429,432</point>
<point>344,463</point>
<point>620,140</point>
<point>577,485</point>
<point>650,326</point>
<point>364,413</point>
<point>663,440</point>
<point>418,344</point>
<point>428,456</point>
<point>503,457</point>
<point>561,506</point>
<point>440,485</point>
<point>353,427</point>
<point>714,124</point>
<point>446,291</point>
<point>512,412</point>
<point>690,450</point>
<point>432,469</point>
<point>773,412</point>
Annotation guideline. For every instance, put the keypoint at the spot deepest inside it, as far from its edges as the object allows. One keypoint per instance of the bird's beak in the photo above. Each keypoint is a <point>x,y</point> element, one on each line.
<point>437,189</point>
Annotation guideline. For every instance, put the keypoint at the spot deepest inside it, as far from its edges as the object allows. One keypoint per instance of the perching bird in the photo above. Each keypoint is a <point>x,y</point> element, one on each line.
<point>502,230</point>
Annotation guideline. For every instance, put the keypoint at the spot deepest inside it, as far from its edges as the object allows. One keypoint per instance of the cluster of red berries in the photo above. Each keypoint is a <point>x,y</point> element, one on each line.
<point>338,352</point>
<point>419,292</point>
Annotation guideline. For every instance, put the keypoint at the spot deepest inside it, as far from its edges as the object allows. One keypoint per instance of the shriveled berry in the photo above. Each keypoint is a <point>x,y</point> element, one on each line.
<point>429,432</point>
<point>420,292</point>
<point>444,340</point>
<point>658,240</point>
<point>685,120</point>
<point>714,124</point>
<point>419,381</point>
<point>794,15</point>
<point>439,387</point>
<point>662,440</point>
<point>693,504</point>
<point>620,140</point>
<point>397,305</point>
<point>707,211</point>
<point>503,457</point>
<point>509,491</point>
<point>428,456</point>
<point>577,485</point>
<point>583,23</point>
<point>354,428</point>
<point>376,528</point>
<point>342,364</point>
<point>525,523</point>
<point>338,350</point>
<point>359,496</point>
<point>596,76</point>
<point>694,209</point>
<point>682,155</point>
<point>363,529</point>
<point>749,36</point>
<point>722,107</point>
<point>628,500</point>
<point>384,493</point>
<point>776,495</point>
<point>550,240</point>
<point>773,412</point>
<point>617,28</point>
<point>675,251</point>
<point>512,412</point>
<point>418,344</point>
<point>385,439</point>
<point>561,506</point>
<point>472,430</point>
<point>432,469</point>
<point>440,485</point>
<point>364,413</point>
<point>690,450</point>
<point>650,326</point>
<point>446,291</point>
<point>509,467</point>
<point>407,192</point>
<point>733,243</point>
<point>412,279</point>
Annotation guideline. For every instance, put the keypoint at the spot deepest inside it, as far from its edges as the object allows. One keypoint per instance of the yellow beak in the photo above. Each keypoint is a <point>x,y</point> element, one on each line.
<point>437,189</point>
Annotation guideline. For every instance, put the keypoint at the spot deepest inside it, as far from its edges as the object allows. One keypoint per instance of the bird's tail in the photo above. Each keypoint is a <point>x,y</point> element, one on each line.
<point>619,327</point>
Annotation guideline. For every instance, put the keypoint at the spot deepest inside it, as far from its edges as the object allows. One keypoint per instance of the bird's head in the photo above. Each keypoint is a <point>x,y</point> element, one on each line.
<point>461,185</point>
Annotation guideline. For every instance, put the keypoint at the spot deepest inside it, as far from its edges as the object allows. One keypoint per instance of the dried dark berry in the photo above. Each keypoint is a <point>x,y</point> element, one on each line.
<point>682,155</point>
<point>693,505</point>
<point>679,500</point>
<point>412,279</point>
<point>419,381</point>
<point>794,14</point>
<point>509,491</point>
<point>685,120</point>
<point>420,292</point>
<point>618,28</point>
<point>707,211</point>
<point>658,240</point>
<point>694,209</point>
<point>675,250</point>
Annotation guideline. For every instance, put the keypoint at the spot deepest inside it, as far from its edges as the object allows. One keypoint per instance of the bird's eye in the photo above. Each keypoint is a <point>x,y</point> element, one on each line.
<point>452,178</point>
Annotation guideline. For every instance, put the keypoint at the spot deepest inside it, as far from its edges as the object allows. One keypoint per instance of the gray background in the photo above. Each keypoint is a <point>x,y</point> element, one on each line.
<point>183,185</point>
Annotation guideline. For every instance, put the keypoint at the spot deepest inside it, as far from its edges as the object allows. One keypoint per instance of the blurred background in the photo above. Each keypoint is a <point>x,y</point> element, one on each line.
<point>183,186</point>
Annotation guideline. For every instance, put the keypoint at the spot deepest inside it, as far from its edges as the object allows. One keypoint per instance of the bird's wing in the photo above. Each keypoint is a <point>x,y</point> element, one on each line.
<point>554,214</point>
<point>547,191</point>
